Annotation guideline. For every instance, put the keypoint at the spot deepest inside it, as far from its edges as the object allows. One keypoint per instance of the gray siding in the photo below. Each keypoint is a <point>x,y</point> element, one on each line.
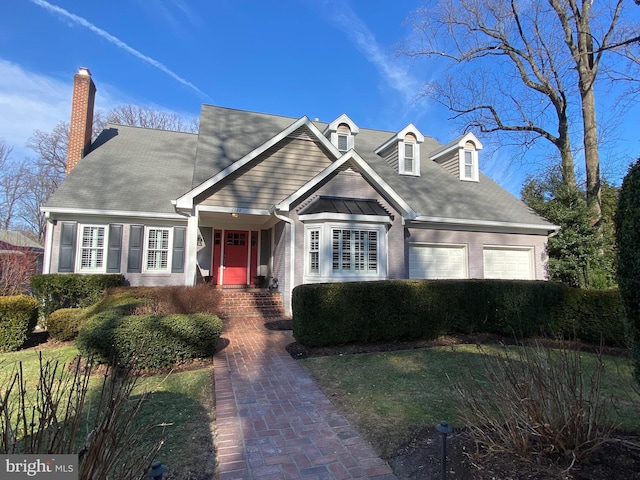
<point>273,176</point>
<point>134,279</point>
<point>475,241</point>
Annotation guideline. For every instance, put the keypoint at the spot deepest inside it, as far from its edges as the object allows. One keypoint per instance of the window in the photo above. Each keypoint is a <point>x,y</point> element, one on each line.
<point>355,251</point>
<point>92,248</point>
<point>337,251</point>
<point>343,142</point>
<point>468,164</point>
<point>314,251</point>
<point>157,251</point>
<point>408,157</point>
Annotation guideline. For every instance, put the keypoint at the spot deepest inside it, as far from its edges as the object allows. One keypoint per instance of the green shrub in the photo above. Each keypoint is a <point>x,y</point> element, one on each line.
<point>18,317</point>
<point>628,239</point>
<point>64,324</point>
<point>56,291</point>
<point>152,341</point>
<point>592,316</point>
<point>366,312</point>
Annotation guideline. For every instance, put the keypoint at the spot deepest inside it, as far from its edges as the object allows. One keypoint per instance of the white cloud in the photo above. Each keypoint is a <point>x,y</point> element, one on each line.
<point>29,102</point>
<point>394,72</point>
<point>117,42</point>
<point>32,101</point>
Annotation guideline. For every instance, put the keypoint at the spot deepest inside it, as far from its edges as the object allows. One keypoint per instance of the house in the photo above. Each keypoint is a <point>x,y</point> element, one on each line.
<point>291,199</point>
<point>20,258</point>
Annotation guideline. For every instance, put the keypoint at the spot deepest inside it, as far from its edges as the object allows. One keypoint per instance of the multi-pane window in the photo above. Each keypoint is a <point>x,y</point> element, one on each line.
<point>409,157</point>
<point>314,251</point>
<point>354,251</point>
<point>343,143</point>
<point>468,164</point>
<point>157,249</point>
<point>92,248</point>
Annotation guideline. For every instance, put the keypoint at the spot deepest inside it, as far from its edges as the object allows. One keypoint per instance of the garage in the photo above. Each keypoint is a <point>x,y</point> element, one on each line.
<point>508,263</point>
<point>437,261</point>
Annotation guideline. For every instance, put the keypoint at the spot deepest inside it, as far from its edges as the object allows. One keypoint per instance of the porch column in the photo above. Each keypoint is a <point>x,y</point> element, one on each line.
<point>191,262</point>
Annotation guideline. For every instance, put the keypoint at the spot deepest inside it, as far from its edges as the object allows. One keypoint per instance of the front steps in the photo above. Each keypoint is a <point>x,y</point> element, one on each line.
<point>251,302</point>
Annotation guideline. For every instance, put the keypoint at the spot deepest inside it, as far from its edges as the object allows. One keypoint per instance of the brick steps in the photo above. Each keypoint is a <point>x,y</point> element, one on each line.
<point>251,303</point>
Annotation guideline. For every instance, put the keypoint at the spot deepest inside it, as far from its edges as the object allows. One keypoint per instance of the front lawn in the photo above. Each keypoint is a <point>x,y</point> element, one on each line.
<point>390,397</point>
<point>180,401</point>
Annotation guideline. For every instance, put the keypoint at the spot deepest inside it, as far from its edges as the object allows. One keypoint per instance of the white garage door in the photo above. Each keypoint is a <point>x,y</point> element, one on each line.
<point>507,263</point>
<point>435,261</point>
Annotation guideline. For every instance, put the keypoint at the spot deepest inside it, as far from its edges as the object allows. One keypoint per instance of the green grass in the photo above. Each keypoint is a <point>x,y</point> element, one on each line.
<point>181,401</point>
<point>391,396</point>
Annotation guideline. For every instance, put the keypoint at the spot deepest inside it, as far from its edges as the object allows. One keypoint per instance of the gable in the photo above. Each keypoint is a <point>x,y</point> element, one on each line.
<point>272,176</point>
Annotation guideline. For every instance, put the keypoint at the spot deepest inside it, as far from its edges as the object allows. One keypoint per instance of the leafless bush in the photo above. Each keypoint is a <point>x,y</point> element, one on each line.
<point>537,401</point>
<point>50,419</point>
<point>178,300</point>
<point>16,269</point>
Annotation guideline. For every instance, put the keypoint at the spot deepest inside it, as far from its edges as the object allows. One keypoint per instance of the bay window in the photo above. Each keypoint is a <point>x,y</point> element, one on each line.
<point>335,252</point>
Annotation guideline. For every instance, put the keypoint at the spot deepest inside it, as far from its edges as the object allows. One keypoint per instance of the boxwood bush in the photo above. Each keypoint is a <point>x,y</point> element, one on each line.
<point>64,324</point>
<point>151,341</point>
<point>18,317</point>
<point>366,312</point>
<point>71,290</point>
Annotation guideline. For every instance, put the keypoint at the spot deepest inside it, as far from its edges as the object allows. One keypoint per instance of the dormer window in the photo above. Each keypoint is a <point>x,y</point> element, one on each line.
<point>408,155</point>
<point>402,151</point>
<point>344,134</point>
<point>469,162</point>
<point>341,133</point>
<point>460,157</point>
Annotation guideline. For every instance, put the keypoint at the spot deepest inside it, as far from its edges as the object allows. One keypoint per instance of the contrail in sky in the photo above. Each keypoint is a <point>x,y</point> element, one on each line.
<point>117,42</point>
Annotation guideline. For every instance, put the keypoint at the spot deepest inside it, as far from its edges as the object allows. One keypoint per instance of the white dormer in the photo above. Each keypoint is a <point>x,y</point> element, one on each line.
<point>460,157</point>
<point>404,147</point>
<point>341,133</point>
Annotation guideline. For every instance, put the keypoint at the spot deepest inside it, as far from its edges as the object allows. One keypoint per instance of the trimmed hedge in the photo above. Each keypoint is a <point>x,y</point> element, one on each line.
<point>592,316</point>
<point>71,290</point>
<point>391,310</point>
<point>18,317</point>
<point>151,341</point>
<point>64,324</point>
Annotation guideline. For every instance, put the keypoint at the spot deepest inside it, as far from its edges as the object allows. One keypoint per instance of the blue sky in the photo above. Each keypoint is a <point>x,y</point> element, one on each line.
<point>319,58</point>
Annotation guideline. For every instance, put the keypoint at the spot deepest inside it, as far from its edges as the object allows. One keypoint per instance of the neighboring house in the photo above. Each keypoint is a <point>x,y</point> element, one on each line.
<point>20,258</point>
<point>291,199</point>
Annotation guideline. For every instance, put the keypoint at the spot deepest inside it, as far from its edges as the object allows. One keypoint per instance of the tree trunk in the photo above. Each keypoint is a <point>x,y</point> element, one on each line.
<point>566,156</point>
<point>591,154</point>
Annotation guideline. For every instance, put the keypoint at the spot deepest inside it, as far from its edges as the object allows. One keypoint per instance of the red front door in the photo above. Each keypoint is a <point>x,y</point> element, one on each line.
<point>236,257</point>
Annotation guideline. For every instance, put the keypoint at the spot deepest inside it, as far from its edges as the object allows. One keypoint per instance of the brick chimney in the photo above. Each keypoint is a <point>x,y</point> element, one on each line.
<point>84,94</point>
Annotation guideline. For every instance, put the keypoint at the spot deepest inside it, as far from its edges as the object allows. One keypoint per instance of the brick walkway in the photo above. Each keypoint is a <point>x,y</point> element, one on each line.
<point>273,422</point>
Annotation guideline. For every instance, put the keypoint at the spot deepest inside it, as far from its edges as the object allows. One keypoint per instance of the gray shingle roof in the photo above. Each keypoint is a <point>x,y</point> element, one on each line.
<point>130,169</point>
<point>136,169</point>
<point>18,239</point>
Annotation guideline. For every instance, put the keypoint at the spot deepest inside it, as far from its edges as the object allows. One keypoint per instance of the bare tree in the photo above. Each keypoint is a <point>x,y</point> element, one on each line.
<point>146,117</point>
<point>40,176</point>
<point>11,186</point>
<point>51,149</point>
<point>587,40</point>
<point>516,66</point>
